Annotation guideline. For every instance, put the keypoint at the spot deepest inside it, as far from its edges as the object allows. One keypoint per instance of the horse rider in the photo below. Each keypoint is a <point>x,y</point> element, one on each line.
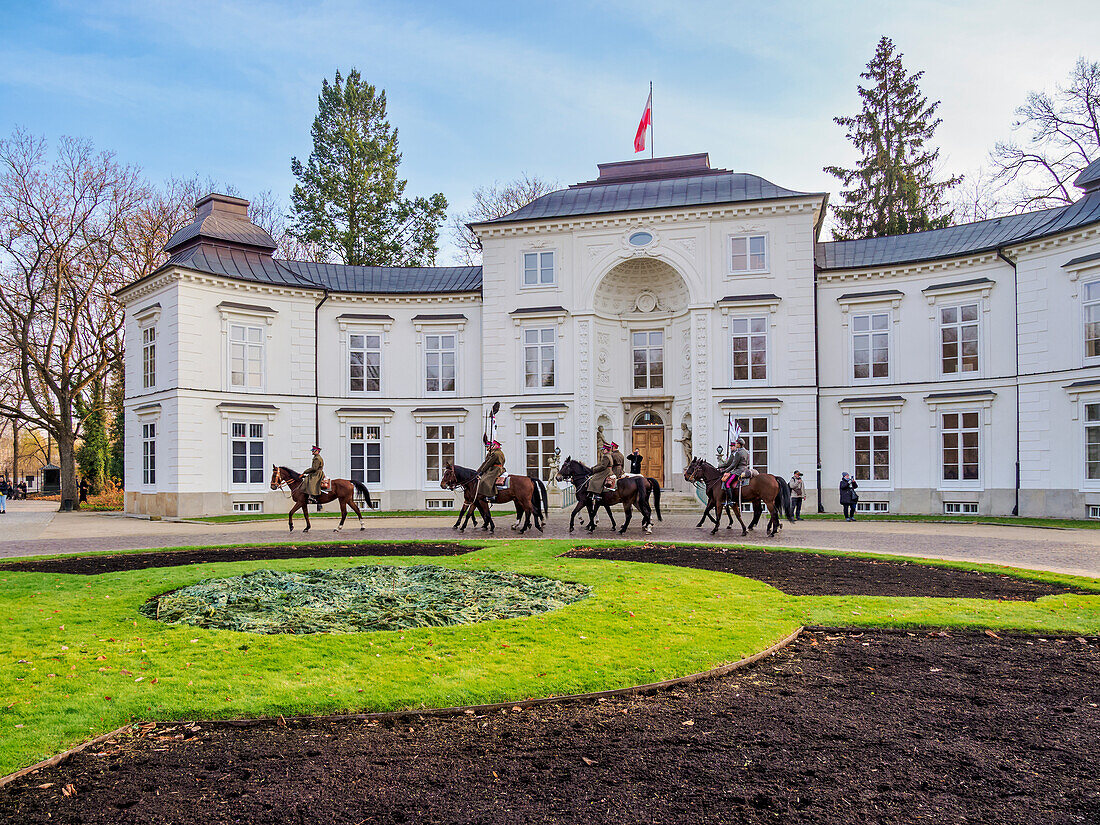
<point>601,471</point>
<point>490,470</point>
<point>312,478</point>
<point>618,461</point>
<point>736,466</point>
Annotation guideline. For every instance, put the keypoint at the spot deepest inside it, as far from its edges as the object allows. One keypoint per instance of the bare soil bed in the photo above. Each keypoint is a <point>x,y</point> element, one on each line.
<point>840,727</point>
<point>817,574</point>
<point>94,565</point>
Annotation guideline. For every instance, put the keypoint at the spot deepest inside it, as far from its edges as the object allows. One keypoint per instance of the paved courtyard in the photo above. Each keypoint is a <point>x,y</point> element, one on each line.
<point>34,528</point>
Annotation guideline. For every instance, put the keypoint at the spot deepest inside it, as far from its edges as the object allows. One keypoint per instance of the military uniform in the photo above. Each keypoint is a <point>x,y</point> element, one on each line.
<point>313,476</point>
<point>600,473</point>
<point>738,462</point>
<point>618,463</point>
<point>490,470</point>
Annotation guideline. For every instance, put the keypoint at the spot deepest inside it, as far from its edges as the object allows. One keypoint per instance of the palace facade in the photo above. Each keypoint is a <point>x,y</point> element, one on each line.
<point>954,370</point>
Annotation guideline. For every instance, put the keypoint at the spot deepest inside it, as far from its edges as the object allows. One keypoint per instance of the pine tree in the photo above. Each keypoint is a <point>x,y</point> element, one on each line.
<point>892,189</point>
<point>349,202</point>
<point>93,456</point>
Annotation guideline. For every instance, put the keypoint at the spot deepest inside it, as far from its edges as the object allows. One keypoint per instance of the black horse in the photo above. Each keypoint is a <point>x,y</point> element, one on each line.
<point>628,491</point>
<point>531,500</point>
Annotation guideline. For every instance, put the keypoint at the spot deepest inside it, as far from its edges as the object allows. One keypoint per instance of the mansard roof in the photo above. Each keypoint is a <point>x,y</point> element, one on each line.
<point>964,239</point>
<point>387,279</point>
<point>221,218</point>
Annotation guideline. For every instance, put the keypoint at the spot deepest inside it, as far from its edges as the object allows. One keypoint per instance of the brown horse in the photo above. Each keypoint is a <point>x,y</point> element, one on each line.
<point>528,493</point>
<point>628,491</point>
<point>765,488</point>
<point>339,488</point>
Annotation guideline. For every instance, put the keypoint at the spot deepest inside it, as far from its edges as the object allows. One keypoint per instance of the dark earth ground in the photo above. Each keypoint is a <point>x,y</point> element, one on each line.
<point>840,727</point>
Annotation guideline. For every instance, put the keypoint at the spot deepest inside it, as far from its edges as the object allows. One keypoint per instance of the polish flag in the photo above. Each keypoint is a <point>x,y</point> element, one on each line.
<point>645,123</point>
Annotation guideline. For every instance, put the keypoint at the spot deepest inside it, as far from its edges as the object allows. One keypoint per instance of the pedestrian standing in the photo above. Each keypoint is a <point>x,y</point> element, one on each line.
<point>848,497</point>
<point>798,492</point>
<point>635,459</point>
<point>83,491</point>
<point>3,496</point>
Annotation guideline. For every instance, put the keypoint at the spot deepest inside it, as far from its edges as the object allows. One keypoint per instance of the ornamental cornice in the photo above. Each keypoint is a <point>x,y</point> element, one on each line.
<point>906,270</point>
<point>412,299</point>
<point>1083,234</point>
<point>146,288</point>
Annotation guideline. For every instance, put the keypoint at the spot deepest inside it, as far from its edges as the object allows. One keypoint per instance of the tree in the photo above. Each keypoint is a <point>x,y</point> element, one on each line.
<point>1063,138</point>
<point>93,457</point>
<point>978,197</point>
<point>892,188</point>
<point>62,228</point>
<point>349,202</point>
<point>495,201</point>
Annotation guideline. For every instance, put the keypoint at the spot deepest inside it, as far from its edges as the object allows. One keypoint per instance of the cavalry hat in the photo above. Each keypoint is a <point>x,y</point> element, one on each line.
<point>315,448</point>
<point>607,445</point>
<point>614,446</point>
<point>740,441</point>
<point>494,443</point>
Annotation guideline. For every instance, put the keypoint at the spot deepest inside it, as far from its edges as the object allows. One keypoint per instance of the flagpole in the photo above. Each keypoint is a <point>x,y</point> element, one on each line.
<point>651,120</point>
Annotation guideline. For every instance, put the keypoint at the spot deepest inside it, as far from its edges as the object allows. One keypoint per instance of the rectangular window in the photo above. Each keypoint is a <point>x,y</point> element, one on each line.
<point>872,443</point>
<point>540,443</point>
<point>1092,319</point>
<point>440,359</point>
<point>439,503</point>
<point>1092,442</point>
<point>248,506</point>
<point>366,454</point>
<point>539,354</point>
<point>871,345</point>
<point>149,453</point>
<point>649,360</point>
<point>1094,511</point>
<point>755,433</point>
<point>960,508</point>
<point>538,268</point>
<point>872,507</point>
<point>246,447</point>
<point>149,357</point>
<point>365,362</point>
<point>960,434</point>
<point>959,338</point>
<point>246,356</point>
<point>750,348</point>
<point>439,449</point>
<point>748,253</point>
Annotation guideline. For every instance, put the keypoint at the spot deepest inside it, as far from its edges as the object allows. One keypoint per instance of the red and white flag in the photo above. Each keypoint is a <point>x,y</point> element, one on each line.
<point>645,123</point>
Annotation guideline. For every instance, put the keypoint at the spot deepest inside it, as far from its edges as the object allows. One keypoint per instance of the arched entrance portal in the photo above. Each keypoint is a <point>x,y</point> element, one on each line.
<point>647,436</point>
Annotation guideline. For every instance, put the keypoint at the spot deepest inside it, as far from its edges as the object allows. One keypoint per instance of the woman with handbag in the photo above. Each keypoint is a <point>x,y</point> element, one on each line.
<point>848,497</point>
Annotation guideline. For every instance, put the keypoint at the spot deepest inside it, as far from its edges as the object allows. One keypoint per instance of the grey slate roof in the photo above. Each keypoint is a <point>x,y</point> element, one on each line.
<point>954,241</point>
<point>698,190</point>
<point>220,227</point>
<point>236,263</point>
<point>1090,176</point>
<point>387,279</point>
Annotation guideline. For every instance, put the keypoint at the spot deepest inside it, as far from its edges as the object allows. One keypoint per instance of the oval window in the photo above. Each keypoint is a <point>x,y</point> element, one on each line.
<point>640,239</point>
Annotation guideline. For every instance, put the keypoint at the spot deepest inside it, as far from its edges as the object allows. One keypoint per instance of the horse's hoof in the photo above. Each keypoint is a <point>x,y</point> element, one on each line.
<point>744,533</point>
<point>648,530</point>
<point>306,530</point>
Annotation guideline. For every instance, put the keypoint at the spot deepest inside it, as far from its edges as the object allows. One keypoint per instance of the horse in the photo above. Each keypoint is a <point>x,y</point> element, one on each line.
<point>339,488</point>
<point>628,491</point>
<point>764,488</point>
<point>528,493</point>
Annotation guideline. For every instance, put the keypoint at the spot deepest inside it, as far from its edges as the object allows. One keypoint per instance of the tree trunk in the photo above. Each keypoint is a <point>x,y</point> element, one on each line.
<point>66,452</point>
<point>15,451</point>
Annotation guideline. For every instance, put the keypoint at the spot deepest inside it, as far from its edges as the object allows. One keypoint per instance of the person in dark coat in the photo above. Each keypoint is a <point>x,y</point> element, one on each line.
<point>635,459</point>
<point>848,497</point>
<point>83,491</point>
<point>798,492</point>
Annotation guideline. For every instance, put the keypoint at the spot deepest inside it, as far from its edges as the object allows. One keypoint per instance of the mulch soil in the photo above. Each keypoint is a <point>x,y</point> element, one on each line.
<point>840,727</point>
<point>94,565</point>
<point>815,574</point>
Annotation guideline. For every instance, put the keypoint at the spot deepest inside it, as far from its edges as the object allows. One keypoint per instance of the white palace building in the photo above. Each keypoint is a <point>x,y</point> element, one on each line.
<point>955,370</point>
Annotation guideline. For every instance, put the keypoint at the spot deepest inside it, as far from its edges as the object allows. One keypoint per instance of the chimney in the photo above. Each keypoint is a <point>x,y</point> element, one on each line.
<point>224,205</point>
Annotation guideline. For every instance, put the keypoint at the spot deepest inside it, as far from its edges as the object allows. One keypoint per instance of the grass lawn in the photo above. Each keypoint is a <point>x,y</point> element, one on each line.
<point>332,511</point>
<point>78,659</point>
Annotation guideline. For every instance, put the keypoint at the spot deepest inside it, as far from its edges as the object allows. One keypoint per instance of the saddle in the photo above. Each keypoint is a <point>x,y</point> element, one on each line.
<point>732,480</point>
<point>502,482</point>
<point>324,485</point>
<point>610,482</point>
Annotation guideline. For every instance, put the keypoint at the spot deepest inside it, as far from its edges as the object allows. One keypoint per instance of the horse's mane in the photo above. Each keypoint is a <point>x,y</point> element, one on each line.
<point>463,474</point>
<point>289,472</point>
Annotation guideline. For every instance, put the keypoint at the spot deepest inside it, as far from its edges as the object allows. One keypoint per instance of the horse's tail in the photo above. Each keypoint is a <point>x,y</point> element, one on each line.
<point>656,497</point>
<point>362,488</point>
<point>785,498</point>
<point>538,496</point>
<point>545,498</point>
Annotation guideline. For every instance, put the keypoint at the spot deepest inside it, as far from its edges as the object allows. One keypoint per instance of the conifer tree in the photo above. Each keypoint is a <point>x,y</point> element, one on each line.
<point>892,189</point>
<point>349,203</point>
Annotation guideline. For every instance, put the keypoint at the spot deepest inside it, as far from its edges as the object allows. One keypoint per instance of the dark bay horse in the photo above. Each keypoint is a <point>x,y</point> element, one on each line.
<point>628,491</point>
<point>771,491</point>
<point>528,493</point>
<point>339,488</point>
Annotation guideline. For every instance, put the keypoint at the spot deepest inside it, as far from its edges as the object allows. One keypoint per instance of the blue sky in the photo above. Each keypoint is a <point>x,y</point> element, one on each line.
<point>485,91</point>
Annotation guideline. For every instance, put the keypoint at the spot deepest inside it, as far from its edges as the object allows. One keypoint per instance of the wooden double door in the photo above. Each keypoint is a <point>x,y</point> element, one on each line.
<point>650,442</point>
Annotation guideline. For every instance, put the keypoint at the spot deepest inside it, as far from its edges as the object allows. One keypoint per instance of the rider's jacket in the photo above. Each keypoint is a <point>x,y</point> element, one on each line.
<point>490,470</point>
<point>599,474</point>
<point>738,461</point>
<point>618,463</point>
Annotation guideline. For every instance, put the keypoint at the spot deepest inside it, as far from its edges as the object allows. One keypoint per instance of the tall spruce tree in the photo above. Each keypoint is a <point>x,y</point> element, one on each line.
<point>892,188</point>
<point>349,203</point>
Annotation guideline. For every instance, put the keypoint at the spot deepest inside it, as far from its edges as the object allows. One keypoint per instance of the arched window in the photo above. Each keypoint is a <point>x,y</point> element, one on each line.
<point>648,419</point>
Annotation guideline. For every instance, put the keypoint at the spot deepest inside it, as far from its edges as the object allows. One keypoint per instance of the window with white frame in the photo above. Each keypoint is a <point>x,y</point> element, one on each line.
<point>439,449</point>
<point>540,441</point>
<point>365,362</point>
<point>960,508</point>
<point>1091,293</point>
<point>959,338</point>
<point>871,345</point>
<point>748,253</point>
<point>872,447</point>
<point>539,356</point>
<point>440,362</point>
<point>750,348</point>
<point>246,357</point>
<point>246,452</point>
<point>149,453</point>
<point>649,359</point>
<point>961,435</point>
<point>1092,442</point>
<point>248,506</point>
<point>365,460</point>
<point>872,507</point>
<point>754,430</point>
<point>538,268</point>
<point>148,357</point>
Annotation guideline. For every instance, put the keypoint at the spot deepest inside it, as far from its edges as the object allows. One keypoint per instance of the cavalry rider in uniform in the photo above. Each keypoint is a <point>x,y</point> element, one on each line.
<point>618,461</point>
<point>601,471</point>
<point>736,466</point>
<point>313,477</point>
<point>490,470</point>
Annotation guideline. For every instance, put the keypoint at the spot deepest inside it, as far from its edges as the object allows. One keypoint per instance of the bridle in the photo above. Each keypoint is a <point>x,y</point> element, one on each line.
<point>463,484</point>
